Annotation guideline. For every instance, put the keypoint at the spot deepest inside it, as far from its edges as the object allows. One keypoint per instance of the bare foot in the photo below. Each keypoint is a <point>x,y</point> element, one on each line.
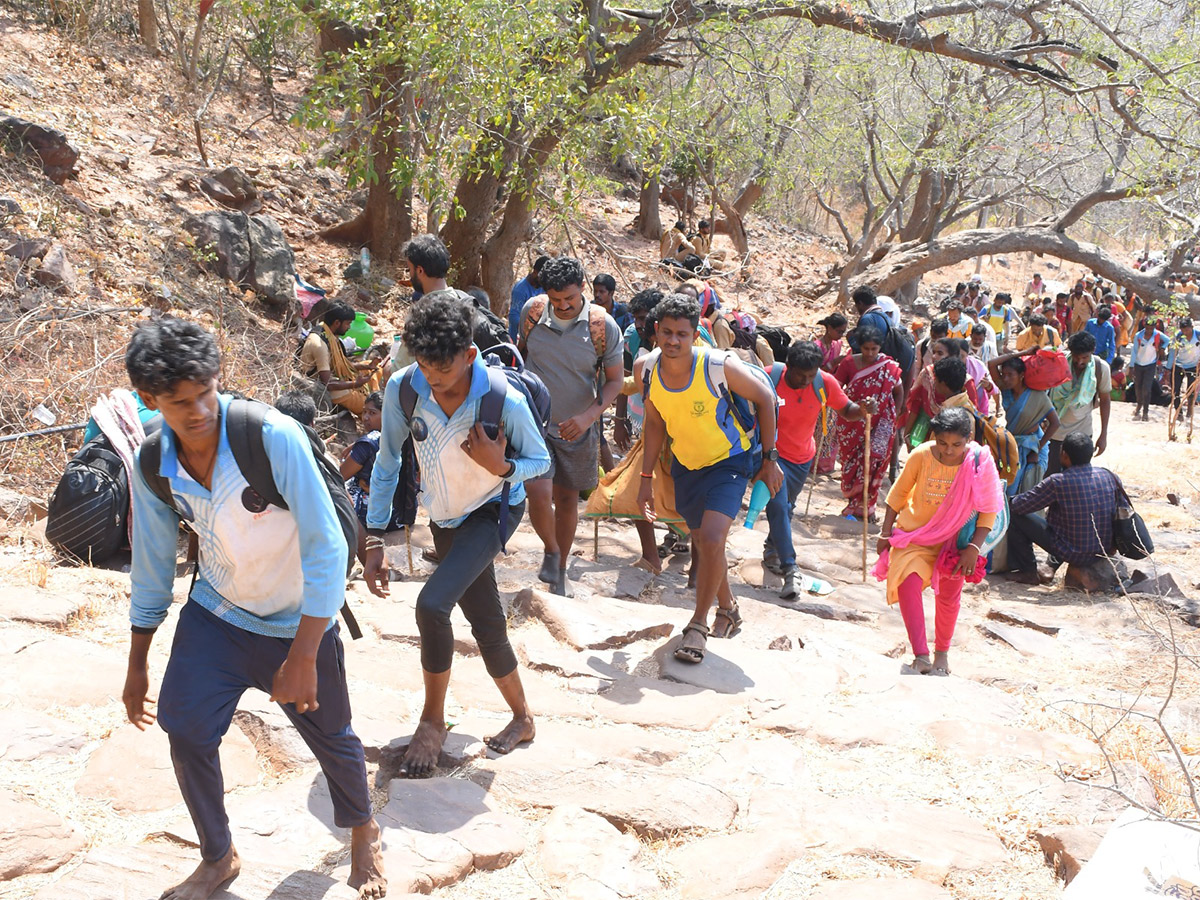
<point>207,878</point>
<point>366,861</point>
<point>422,755</point>
<point>519,731</point>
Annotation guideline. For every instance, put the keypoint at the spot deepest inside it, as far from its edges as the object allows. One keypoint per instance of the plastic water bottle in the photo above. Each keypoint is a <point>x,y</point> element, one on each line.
<point>759,497</point>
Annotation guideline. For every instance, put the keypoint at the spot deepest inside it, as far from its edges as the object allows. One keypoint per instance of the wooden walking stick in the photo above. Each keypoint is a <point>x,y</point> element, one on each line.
<point>408,544</point>
<point>866,488</point>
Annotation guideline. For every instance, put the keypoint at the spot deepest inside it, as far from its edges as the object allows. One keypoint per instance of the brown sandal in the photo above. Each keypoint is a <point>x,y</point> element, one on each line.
<point>732,619</point>
<point>693,654</point>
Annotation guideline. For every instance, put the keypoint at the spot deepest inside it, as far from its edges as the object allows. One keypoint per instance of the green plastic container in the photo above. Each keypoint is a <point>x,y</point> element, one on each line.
<point>361,332</point>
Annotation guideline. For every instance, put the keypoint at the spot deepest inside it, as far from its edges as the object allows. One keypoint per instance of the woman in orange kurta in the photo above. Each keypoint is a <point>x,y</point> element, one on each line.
<point>945,484</point>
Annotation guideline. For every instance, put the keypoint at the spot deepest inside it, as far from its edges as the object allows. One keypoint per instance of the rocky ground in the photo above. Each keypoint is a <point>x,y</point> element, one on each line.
<point>798,761</point>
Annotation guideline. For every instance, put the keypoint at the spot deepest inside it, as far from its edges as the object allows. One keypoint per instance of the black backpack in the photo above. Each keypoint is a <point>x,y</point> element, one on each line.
<point>779,340</point>
<point>89,509</point>
<point>244,427</point>
<point>501,379</point>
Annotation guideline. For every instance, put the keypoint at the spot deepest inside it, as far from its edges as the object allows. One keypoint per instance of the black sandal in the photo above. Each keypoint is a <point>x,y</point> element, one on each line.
<point>692,655</point>
<point>733,618</point>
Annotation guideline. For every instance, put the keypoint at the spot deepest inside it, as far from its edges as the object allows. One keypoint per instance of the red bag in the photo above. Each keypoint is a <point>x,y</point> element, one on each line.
<point>1046,369</point>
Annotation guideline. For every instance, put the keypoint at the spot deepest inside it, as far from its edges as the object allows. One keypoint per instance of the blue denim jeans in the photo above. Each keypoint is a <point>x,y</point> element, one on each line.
<point>779,511</point>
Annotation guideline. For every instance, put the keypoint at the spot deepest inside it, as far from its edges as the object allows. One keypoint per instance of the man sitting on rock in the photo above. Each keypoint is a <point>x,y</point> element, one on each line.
<point>466,476</point>
<point>1077,527</point>
<point>323,357</point>
<point>260,612</point>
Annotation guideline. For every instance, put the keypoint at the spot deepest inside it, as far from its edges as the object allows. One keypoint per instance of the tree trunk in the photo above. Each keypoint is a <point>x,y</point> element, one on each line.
<point>750,193</point>
<point>732,226</point>
<point>906,262</point>
<point>148,25</point>
<point>649,221</point>
<point>386,221</point>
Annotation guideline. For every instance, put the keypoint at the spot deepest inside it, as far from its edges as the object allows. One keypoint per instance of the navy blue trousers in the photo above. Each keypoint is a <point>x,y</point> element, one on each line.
<point>212,664</point>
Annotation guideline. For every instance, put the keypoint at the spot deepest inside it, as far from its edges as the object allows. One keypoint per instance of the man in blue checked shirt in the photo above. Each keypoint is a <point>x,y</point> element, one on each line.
<point>260,613</point>
<point>464,474</point>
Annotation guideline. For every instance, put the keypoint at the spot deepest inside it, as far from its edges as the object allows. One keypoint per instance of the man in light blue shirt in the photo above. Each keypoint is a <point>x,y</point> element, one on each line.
<point>261,610</point>
<point>1102,330</point>
<point>1182,360</point>
<point>466,477</point>
<point>527,287</point>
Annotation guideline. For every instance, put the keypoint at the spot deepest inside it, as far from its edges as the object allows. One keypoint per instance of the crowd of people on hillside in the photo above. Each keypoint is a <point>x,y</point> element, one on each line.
<point>665,411</point>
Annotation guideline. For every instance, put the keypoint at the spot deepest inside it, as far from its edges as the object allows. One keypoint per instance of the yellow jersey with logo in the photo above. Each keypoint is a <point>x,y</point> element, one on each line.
<point>703,428</point>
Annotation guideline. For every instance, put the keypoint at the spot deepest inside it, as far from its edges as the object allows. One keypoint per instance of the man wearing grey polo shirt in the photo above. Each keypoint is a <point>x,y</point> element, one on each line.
<point>575,348</point>
<point>1090,387</point>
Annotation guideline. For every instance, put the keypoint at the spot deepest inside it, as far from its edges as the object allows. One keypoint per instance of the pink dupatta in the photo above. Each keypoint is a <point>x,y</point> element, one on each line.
<point>976,489</point>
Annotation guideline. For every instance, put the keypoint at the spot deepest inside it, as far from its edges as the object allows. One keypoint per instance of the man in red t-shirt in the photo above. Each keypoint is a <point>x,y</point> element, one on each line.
<point>799,415</point>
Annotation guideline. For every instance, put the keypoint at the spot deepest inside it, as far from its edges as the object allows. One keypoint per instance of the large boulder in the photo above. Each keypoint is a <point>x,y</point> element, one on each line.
<point>250,251</point>
<point>32,839</point>
<point>233,188</point>
<point>57,156</point>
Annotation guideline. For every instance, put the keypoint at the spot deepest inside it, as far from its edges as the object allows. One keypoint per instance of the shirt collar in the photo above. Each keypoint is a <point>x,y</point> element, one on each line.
<point>548,317</point>
<point>168,462</point>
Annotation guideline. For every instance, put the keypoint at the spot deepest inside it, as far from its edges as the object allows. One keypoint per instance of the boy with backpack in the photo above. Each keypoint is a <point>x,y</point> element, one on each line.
<point>806,394</point>
<point>702,399</point>
<point>477,442</point>
<point>260,612</point>
<point>575,348</point>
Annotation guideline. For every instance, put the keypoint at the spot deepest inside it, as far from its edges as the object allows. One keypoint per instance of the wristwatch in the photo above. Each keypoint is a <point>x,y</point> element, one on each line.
<point>771,455</point>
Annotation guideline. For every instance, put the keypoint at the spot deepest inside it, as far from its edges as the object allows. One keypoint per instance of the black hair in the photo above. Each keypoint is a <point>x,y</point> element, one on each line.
<point>864,295</point>
<point>560,273</point>
<point>804,355</point>
<point>1104,313</point>
<point>481,297</point>
<point>605,280</point>
<point>1002,297</point>
<point>950,345</point>
<point>704,223</point>
<point>979,329</point>
<point>297,405</point>
<point>539,262</point>
<point>1186,322</point>
<point>679,306</point>
<point>1037,319</point>
<point>162,354</point>
<point>645,301</point>
<point>439,327</point>
<point>1081,342</point>
<point>939,328</point>
<point>339,312</point>
<point>680,224</point>
<point>375,399</point>
<point>1078,448</point>
<point>833,320</point>
<point>1060,295</point>
<point>867,334</point>
<point>960,287</point>
<point>953,420</point>
<point>428,252</point>
<point>952,372</point>
<point>1016,364</point>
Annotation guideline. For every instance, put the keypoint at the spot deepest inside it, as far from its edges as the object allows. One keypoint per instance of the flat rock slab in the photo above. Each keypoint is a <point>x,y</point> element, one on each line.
<point>981,740</point>
<point>133,770</point>
<point>26,735</point>
<point>39,606</point>
<point>388,664</point>
<point>891,888</point>
<point>608,580</point>
<point>570,744</point>
<point>1025,641</point>
<point>629,794</point>
<point>730,866</point>
<point>458,809</point>
<point>473,689</point>
<point>935,835</point>
<point>272,733</point>
<point>651,701</point>
<point>63,671</point>
<point>141,872</point>
<point>290,824</point>
<point>589,859</point>
<point>730,667</point>
<point>33,840</point>
<point>595,623</point>
<point>417,862</point>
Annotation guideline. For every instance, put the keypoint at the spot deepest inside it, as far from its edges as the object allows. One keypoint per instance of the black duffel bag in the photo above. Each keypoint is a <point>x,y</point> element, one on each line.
<point>1130,534</point>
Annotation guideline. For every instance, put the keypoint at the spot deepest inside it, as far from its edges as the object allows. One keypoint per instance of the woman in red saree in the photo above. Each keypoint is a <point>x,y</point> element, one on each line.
<point>833,349</point>
<point>924,401</point>
<point>868,375</point>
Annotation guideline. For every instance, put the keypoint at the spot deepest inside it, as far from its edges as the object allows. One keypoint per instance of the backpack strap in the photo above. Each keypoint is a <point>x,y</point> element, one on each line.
<point>149,461</point>
<point>491,410</point>
<point>408,393</point>
<point>244,428</point>
<point>531,314</point>
<point>649,365</point>
<point>598,330</point>
<point>776,373</point>
<point>823,399</point>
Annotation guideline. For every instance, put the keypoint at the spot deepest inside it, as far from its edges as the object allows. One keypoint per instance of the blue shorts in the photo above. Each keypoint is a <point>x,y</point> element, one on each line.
<point>719,487</point>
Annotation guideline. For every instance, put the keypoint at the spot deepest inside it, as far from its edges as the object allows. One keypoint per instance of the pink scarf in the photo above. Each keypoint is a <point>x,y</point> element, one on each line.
<point>976,489</point>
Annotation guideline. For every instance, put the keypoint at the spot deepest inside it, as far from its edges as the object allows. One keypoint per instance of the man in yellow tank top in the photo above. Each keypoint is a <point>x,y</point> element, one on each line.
<point>715,456</point>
